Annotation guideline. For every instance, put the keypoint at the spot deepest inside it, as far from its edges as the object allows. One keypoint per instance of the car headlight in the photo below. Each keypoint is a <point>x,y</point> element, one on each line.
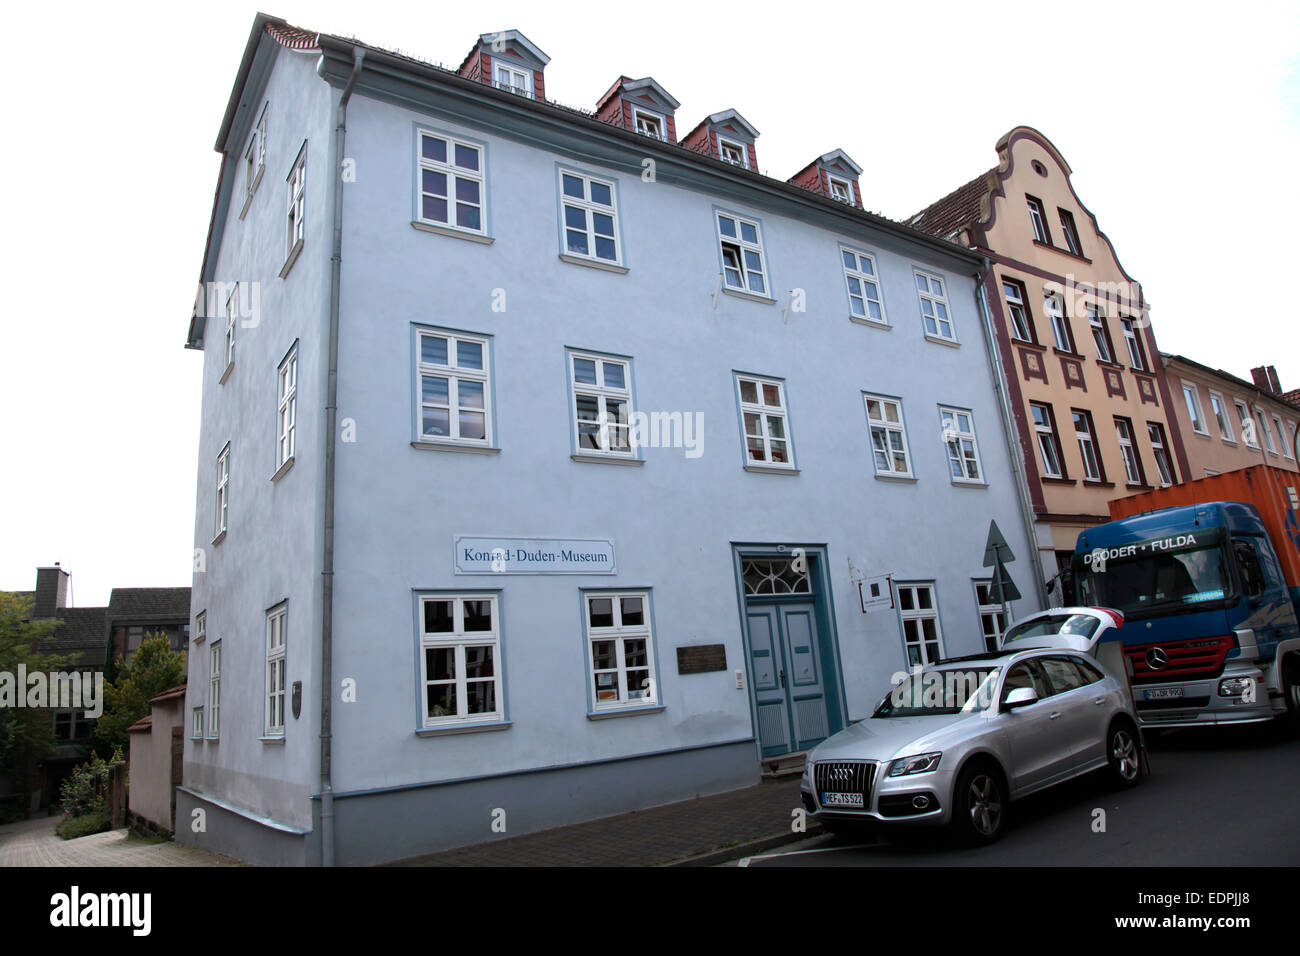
<point>921,763</point>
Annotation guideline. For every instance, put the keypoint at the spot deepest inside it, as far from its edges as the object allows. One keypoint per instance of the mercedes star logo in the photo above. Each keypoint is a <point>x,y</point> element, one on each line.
<point>1157,658</point>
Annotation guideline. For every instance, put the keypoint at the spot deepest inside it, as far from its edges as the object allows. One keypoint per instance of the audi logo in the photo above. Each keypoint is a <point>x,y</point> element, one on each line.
<point>841,773</point>
<point>1157,658</point>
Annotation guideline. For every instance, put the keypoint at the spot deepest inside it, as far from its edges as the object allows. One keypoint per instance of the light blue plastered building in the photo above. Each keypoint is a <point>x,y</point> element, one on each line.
<point>553,464</point>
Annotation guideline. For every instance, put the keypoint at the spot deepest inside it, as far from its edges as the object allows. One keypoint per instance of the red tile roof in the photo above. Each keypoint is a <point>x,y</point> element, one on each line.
<point>295,38</point>
<point>141,725</point>
<point>954,211</point>
<point>170,694</point>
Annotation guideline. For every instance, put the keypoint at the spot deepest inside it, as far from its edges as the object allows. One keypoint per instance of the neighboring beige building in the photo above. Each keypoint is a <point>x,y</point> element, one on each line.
<point>1084,381</point>
<point>1229,423</point>
<point>157,746</point>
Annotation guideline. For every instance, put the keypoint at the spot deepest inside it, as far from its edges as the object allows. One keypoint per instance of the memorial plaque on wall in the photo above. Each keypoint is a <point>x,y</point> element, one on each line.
<point>701,658</point>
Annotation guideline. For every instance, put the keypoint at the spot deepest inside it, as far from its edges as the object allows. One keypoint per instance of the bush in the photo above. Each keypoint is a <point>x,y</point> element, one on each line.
<point>85,792</point>
<point>72,827</point>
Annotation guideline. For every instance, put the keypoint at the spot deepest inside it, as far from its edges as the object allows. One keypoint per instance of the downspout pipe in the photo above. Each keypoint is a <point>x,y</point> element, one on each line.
<point>331,440</point>
<point>1009,431</point>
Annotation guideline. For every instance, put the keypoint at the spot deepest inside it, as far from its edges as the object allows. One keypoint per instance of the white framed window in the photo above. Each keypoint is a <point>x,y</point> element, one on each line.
<point>602,404</point>
<point>223,489</point>
<point>1247,423</point>
<point>1097,320</point>
<point>1194,413</point>
<point>232,319</point>
<point>1281,437</point>
<point>589,208</point>
<point>1287,435</point>
<point>934,306</point>
<point>297,182</point>
<point>1049,445</point>
<point>1038,218</point>
<point>196,723</point>
<point>888,437</point>
<point>1265,431</point>
<point>1014,293</point>
<point>620,649</point>
<point>1160,452</point>
<point>865,301</point>
<point>455,395</point>
<point>512,79</point>
<point>1083,431</point>
<point>460,651</point>
<point>214,690</point>
<point>1070,232</point>
<point>1136,354</point>
<point>922,638</point>
<point>841,190</point>
<point>1220,410</point>
<point>732,152</point>
<point>1128,451</point>
<point>276,619</point>
<point>959,439</point>
<point>764,418</point>
<point>992,622</point>
<point>452,185</point>
<point>200,627</point>
<point>649,124</point>
<point>1060,325</point>
<point>255,156</point>
<point>286,408</point>
<point>741,242</point>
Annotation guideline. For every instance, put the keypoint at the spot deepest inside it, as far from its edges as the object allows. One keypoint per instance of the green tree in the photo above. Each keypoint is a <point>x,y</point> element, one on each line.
<point>26,733</point>
<point>154,668</point>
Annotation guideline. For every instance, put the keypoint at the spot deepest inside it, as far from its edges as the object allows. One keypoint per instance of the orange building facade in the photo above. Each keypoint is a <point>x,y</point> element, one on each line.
<point>1087,391</point>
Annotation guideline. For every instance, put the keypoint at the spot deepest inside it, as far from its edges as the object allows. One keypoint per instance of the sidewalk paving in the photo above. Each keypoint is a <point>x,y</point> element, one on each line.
<point>704,831</point>
<point>34,843</point>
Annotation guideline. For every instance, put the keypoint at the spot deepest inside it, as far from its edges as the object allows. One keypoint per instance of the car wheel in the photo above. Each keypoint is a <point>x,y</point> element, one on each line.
<point>1291,692</point>
<point>979,804</point>
<point>1123,754</point>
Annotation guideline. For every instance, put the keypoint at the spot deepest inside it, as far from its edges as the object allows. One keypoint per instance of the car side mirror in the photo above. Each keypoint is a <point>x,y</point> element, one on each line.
<point>1020,697</point>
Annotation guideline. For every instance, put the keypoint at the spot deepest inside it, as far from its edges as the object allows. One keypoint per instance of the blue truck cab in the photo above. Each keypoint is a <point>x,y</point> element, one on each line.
<point>1211,633</point>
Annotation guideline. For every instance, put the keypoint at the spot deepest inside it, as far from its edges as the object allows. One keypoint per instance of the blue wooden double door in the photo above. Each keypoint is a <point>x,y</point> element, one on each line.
<point>789,679</point>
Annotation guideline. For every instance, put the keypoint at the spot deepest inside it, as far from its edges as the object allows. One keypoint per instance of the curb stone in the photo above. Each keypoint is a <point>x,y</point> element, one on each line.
<point>741,850</point>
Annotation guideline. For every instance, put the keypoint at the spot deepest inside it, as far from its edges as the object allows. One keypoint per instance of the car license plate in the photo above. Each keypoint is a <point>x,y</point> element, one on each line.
<point>1163,693</point>
<point>842,800</point>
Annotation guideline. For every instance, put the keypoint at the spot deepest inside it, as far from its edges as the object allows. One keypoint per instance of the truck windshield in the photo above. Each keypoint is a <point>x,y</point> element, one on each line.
<point>1164,582</point>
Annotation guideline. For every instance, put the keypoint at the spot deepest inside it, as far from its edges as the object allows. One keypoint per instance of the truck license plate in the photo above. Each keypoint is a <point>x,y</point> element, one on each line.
<point>1163,693</point>
<point>841,800</point>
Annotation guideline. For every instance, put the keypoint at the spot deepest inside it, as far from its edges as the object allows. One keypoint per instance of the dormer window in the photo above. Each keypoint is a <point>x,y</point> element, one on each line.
<point>840,190</point>
<point>649,124</point>
<point>507,77</point>
<point>734,153</point>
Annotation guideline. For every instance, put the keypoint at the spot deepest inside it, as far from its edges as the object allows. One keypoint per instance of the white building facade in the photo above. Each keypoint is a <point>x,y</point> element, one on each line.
<point>643,467</point>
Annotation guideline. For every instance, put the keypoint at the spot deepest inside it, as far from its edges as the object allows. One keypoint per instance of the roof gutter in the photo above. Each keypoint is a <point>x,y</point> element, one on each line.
<point>1009,430</point>
<point>331,439</point>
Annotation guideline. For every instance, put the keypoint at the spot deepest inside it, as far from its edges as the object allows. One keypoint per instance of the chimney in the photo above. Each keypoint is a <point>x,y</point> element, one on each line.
<point>1265,378</point>
<point>51,592</point>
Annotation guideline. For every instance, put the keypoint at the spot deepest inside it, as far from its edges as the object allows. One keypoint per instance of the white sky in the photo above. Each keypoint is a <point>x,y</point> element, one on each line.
<point>1181,122</point>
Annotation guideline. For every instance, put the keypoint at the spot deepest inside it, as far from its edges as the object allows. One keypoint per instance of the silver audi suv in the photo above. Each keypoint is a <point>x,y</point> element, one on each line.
<point>955,743</point>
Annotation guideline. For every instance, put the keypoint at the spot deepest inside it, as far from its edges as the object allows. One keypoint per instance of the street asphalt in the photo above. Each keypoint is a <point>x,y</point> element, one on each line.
<point>1216,797</point>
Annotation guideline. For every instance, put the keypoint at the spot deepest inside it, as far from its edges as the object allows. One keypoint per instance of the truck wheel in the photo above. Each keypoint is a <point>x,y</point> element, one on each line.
<point>1123,754</point>
<point>979,804</point>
